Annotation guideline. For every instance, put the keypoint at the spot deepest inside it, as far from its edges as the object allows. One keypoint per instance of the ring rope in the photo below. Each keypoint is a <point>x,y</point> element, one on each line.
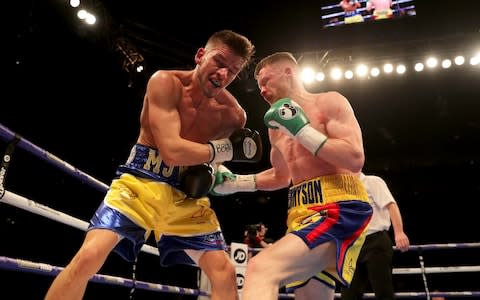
<point>45,211</point>
<point>442,246</point>
<point>24,144</point>
<point>436,270</point>
<point>422,247</point>
<point>46,269</point>
<point>406,295</point>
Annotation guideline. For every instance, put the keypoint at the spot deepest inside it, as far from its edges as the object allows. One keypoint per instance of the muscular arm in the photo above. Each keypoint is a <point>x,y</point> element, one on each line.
<point>277,177</point>
<point>344,147</point>
<point>401,239</point>
<point>236,114</point>
<point>164,92</point>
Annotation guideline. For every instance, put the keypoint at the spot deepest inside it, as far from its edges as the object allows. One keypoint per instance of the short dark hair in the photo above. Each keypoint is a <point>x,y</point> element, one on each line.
<point>240,44</point>
<point>274,58</point>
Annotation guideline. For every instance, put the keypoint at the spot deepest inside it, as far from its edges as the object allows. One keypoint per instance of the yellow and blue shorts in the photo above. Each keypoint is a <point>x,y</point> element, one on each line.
<point>382,14</point>
<point>330,208</point>
<point>136,206</point>
<point>353,17</point>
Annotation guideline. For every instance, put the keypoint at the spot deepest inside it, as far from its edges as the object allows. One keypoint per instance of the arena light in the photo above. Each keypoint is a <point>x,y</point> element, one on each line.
<point>86,16</point>
<point>419,67</point>
<point>336,73</point>
<point>82,14</point>
<point>361,70</point>
<point>459,60</point>
<point>308,75</point>
<point>375,72</point>
<point>393,65</point>
<point>401,69</point>
<point>91,19</point>
<point>348,74</point>
<point>320,76</point>
<point>446,63</point>
<point>475,60</point>
<point>432,62</point>
<point>74,3</point>
<point>388,68</point>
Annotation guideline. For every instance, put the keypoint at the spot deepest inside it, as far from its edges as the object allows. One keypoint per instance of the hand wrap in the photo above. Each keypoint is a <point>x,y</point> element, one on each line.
<point>227,183</point>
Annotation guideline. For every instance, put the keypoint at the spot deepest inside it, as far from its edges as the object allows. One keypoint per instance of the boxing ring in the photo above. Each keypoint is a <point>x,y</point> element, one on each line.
<point>14,142</point>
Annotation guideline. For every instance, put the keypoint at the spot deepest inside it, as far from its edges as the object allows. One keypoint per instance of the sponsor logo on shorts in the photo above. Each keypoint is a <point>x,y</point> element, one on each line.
<point>155,164</point>
<point>214,238</point>
<point>309,192</point>
<point>149,163</point>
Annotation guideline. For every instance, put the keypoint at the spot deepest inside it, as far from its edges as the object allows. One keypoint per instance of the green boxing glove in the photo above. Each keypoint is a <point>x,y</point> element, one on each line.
<point>288,117</point>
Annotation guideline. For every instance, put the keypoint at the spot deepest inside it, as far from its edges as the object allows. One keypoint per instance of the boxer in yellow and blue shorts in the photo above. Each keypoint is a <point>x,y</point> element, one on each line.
<point>316,146</point>
<point>330,208</point>
<point>381,9</point>
<point>351,11</point>
<point>148,196</point>
<point>188,118</point>
<point>327,208</point>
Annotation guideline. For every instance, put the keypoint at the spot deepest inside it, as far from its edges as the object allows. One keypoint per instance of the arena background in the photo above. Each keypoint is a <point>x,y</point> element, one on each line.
<point>67,89</point>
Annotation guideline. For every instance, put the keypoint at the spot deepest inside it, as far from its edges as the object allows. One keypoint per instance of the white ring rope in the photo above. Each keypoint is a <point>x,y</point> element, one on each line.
<point>437,270</point>
<point>423,247</point>
<point>45,211</point>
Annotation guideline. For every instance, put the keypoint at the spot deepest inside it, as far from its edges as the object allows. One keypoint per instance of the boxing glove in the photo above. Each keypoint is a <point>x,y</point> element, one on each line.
<point>244,145</point>
<point>287,116</point>
<point>227,183</point>
<point>197,181</point>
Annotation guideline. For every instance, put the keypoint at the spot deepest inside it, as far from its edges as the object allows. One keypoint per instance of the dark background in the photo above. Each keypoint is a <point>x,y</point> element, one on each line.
<point>66,91</point>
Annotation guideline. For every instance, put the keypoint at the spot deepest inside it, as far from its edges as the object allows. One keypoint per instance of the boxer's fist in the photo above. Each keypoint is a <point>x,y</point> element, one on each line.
<point>227,183</point>
<point>287,116</point>
<point>197,181</point>
<point>244,145</point>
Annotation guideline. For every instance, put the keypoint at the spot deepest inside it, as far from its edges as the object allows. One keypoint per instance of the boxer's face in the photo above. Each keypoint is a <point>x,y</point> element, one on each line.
<point>218,66</point>
<point>270,80</point>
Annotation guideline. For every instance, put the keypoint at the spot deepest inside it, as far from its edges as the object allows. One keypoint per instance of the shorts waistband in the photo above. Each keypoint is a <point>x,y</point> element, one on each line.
<point>327,189</point>
<point>147,162</point>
